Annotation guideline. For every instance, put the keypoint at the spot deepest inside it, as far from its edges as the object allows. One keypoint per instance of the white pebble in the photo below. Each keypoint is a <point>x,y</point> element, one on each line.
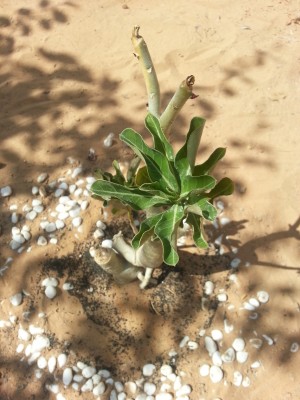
<point>268,339</point>
<point>53,240</point>
<point>148,369</point>
<point>63,185</point>
<point>42,241</point>
<point>238,344</point>
<point>50,282</point>
<point>216,359</point>
<point>67,376</point>
<point>101,225</point>
<point>50,227</point>
<point>77,378</point>
<point>14,218</point>
<point>88,372</point>
<point>14,245</point>
<point>72,188</point>
<point>99,389</point>
<point>224,221</point>
<point>59,192</point>
<point>184,390</point>
<point>216,334</point>
<point>53,387</point>
<point>248,306</point>
<point>229,355</point>
<point>24,335</point>
<point>246,382</point>
<point>6,191</point>
<point>59,224</point>
<point>51,364</point>
<point>256,343</point>
<point>254,302</point>
<point>84,205</point>
<point>107,244</point>
<point>123,396</point>
<point>42,362</point>
<point>78,192</point>
<point>59,396</point>
<point>67,286</point>
<point>235,263</point>
<point>26,234</point>
<point>88,386</point>
<point>20,348</point>
<point>209,288</point>
<point>36,330</point>
<point>192,345</point>
<point>76,222</point>
<point>18,238</point>
<point>227,326</point>
<point>50,292</point>
<point>119,386</point>
<point>96,379</point>
<point>108,141</point>
<point>222,297</point>
<point>38,209</point>
<point>42,177</point>
<point>255,364</point>
<point>98,234</point>
<point>177,383</point>
<point>294,347</point>
<point>75,386</point>
<point>16,299</point>
<point>184,341</point>
<point>40,343</point>
<point>149,388</point>
<point>215,374</point>
<point>36,202</point>
<point>164,396</point>
<point>263,296</point>
<point>77,171</point>
<point>166,370</point>
<point>241,356</point>
<point>35,190</point>
<point>237,378</point>
<point>28,350</point>
<point>204,370</point>
<point>31,215</point>
<point>210,345</point>
<point>61,360</point>
<point>104,373</point>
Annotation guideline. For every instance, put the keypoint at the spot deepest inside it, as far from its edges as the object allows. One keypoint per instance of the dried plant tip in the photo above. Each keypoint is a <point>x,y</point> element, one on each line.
<point>194,96</point>
<point>190,80</point>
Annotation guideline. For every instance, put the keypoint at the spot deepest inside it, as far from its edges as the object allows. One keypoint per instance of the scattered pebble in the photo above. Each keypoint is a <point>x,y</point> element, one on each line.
<point>148,369</point>
<point>61,360</point>
<point>238,344</point>
<point>237,378</point>
<point>215,374</point>
<point>268,339</point>
<point>42,177</point>
<point>235,263</point>
<point>67,376</point>
<point>208,288</point>
<point>6,191</point>
<point>16,299</point>
<point>149,388</point>
<point>108,141</point>
<point>42,241</point>
<point>166,370</point>
<point>50,292</point>
<point>263,296</point>
<point>204,370</point>
<point>184,341</point>
<point>294,347</point>
<point>210,345</point>
<point>216,334</point>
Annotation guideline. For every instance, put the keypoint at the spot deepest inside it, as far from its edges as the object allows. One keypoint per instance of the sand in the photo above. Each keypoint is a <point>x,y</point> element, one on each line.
<point>68,79</point>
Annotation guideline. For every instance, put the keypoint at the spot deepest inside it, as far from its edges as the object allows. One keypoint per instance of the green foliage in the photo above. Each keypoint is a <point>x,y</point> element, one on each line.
<point>171,184</point>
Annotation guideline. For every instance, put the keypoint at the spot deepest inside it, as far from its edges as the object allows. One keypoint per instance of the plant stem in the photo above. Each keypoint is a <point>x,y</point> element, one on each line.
<point>149,73</point>
<point>182,94</point>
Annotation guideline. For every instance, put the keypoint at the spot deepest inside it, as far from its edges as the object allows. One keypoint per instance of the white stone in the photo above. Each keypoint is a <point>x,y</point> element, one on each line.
<point>294,347</point>
<point>61,360</point>
<point>60,396</point>
<point>239,344</point>
<point>16,299</point>
<point>216,334</point>
<point>101,225</point>
<point>148,369</point>
<point>6,191</point>
<point>268,339</point>
<point>38,209</point>
<point>53,240</point>
<point>108,141</point>
<point>104,373</point>
<point>237,378</point>
<point>96,379</point>
<point>246,382</point>
<point>256,343</point>
<point>28,350</point>
<point>24,335</point>
<point>76,222</point>
<point>88,386</point>
<point>50,282</point>
<point>53,388</point>
<point>215,374</point>
<point>248,306</point>
<point>59,192</point>
<point>26,235</point>
<point>254,302</point>
<point>67,376</point>
<point>31,215</point>
<point>216,359</point>
<point>123,396</point>
<point>263,296</point>
<point>149,388</point>
<point>20,348</point>
<point>78,378</point>
<point>107,243</point>
<point>210,345</point>
<point>67,286</point>
<point>59,224</point>
<point>99,389</point>
<point>184,341</point>
<point>209,288</point>
<point>42,241</point>
<point>241,356</point>
<point>88,371</point>
<point>235,263</point>
<point>119,386</point>
<point>90,179</point>
<point>52,364</point>
<point>40,343</point>
<point>75,386</point>
<point>164,396</point>
<point>177,383</point>
<point>131,388</point>
<point>184,390</point>
<point>26,208</point>
<point>229,355</point>
<point>42,177</point>
<point>35,190</point>
<point>14,245</point>
<point>222,297</point>
<point>14,218</point>
<point>72,188</point>
<point>78,192</point>
<point>36,330</point>
<point>109,381</point>
<point>255,364</point>
<point>84,205</point>
<point>63,185</point>
<point>98,234</point>
<point>77,171</point>
<point>50,292</point>
<point>192,345</point>
<point>204,370</point>
<point>42,362</point>
<point>228,328</point>
<point>50,227</point>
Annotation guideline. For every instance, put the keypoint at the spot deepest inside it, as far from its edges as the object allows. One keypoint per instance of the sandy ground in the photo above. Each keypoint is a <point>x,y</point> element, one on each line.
<point>68,78</point>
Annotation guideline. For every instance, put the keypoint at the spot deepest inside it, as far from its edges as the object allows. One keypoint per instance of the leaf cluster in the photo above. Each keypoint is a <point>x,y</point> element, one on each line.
<point>168,183</point>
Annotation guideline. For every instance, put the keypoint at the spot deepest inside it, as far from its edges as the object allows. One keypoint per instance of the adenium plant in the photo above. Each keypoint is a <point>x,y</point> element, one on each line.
<point>170,188</point>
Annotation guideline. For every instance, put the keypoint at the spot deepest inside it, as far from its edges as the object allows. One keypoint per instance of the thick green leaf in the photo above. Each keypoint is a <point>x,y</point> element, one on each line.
<point>119,177</point>
<point>198,183</point>
<point>195,222</point>
<point>146,230</point>
<point>135,198</point>
<point>203,208</point>
<point>158,165</point>
<point>160,141</point>
<point>223,188</point>
<point>166,231</point>
<point>210,163</point>
<point>142,176</point>
<point>186,156</point>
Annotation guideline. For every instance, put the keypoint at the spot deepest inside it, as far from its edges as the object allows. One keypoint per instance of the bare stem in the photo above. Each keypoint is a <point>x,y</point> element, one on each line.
<point>149,73</point>
<point>182,94</point>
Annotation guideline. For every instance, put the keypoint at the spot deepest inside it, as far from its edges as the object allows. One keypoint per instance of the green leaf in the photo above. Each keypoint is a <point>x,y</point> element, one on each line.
<point>160,141</point>
<point>196,223</point>
<point>186,156</point>
<point>158,165</point>
<point>166,231</point>
<point>135,198</point>
<point>223,188</point>
<point>197,184</point>
<point>142,176</point>
<point>210,163</point>
<point>146,230</point>
<point>203,208</point>
<point>119,177</point>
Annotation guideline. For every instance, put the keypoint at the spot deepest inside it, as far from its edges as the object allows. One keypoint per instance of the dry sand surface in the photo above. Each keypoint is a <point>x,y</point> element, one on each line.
<point>69,78</point>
